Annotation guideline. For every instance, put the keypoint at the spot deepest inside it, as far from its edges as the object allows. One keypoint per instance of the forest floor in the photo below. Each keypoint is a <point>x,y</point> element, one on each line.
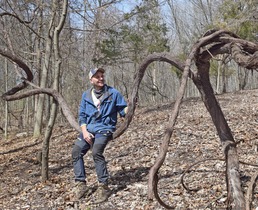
<point>130,157</point>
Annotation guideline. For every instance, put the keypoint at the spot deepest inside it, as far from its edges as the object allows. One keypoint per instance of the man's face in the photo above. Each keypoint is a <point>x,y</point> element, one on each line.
<point>98,80</point>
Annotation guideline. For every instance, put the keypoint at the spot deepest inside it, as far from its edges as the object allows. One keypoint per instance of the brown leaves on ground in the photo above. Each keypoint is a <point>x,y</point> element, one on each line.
<point>130,157</point>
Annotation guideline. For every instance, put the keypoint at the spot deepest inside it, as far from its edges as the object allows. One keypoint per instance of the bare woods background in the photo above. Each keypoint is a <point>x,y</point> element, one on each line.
<point>117,35</point>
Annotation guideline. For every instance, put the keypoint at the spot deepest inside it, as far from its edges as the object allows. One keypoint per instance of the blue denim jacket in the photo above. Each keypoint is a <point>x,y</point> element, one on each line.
<point>96,120</point>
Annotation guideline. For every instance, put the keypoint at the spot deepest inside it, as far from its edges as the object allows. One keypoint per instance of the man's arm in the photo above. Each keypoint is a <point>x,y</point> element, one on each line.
<point>83,120</point>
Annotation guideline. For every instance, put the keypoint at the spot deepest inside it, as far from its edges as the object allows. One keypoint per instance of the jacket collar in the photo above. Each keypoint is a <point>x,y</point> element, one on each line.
<point>106,94</point>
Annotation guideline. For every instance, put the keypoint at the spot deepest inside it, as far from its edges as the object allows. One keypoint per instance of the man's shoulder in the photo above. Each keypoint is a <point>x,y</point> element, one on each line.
<point>86,93</point>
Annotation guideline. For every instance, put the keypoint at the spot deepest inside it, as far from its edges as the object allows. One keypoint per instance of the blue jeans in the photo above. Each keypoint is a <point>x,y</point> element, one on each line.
<point>81,147</point>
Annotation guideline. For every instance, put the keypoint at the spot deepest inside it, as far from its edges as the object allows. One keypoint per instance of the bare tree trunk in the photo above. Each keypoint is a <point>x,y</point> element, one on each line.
<point>54,108</point>
<point>154,85</point>
<point>218,77</point>
<point>26,115</point>
<point>241,76</point>
<point>45,145</point>
<point>43,80</point>
<point>37,78</point>
<point>6,102</point>
<point>224,76</point>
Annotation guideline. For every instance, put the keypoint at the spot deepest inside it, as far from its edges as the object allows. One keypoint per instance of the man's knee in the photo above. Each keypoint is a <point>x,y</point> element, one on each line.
<point>98,150</point>
<point>76,152</point>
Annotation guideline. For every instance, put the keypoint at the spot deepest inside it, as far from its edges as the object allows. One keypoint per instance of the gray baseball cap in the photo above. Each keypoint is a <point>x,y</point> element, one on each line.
<point>94,71</point>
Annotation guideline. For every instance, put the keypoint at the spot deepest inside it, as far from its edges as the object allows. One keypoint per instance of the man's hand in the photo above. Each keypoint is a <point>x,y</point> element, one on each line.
<point>87,135</point>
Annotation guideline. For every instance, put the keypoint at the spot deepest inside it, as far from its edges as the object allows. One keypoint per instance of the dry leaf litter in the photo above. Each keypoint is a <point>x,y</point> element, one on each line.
<point>130,157</point>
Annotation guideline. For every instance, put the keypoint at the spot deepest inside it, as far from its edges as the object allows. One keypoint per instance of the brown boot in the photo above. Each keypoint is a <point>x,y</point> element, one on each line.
<point>102,194</point>
<point>81,190</point>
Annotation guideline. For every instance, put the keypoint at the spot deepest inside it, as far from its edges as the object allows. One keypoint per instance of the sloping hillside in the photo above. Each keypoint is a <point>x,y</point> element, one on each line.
<point>130,157</point>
